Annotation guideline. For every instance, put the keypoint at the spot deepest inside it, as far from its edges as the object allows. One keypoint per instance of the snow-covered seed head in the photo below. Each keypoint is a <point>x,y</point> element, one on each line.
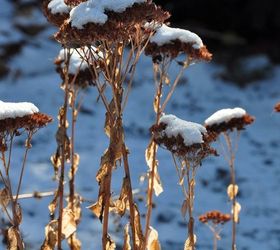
<point>182,138</point>
<point>228,119</point>
<point>277,107</point>
<point>56,11</point>
<point>80,61</point>
<point>108,20</point>
<point>170,42</point>
<point>14,116</point>
<point>215,216</point>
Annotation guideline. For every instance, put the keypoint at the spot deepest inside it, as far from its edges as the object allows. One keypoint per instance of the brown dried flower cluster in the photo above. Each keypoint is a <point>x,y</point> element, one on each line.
<point>118,27</point>
<point>174,48</point>
<point>235,123</point>
<point>28,122</point>
<point>215,216</point>
<point>277,107</point>
<point>55,19</point>
<point>176,145</point>
<point>73,3</point>
<point>83,78</point>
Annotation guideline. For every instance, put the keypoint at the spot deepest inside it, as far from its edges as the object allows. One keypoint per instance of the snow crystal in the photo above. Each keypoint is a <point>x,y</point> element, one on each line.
<point>76,62</point>
<point>224,115</point>
<point>93,11</point>
<point>16,109</point>
<point>165,35</point>
<point>190,131</point>
<point>58,7</point>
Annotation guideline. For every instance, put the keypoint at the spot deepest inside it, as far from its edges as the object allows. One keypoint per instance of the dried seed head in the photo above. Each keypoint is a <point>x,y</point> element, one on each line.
<point>28,122</point>
<point>277,107</point>
<point>170,42</point>
<point>118,26</point>
<point>182,138</point>
<point>215,216</point>
<point>56,11</point>
<point>228,119</point>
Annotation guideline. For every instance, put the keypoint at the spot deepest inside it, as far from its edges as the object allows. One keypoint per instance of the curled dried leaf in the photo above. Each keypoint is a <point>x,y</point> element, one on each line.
<point>68,223</point>
<point>232,191</point>
<point>4,197</point>
<point>50,236</point>
<point>74,243</point>
<point>236,211</point>
<point>150,152</point>
<point>14,239</point>
<point>126,245</point>
<point>18,214</point>
<point>188,245</point>
<point>53,204</point>
<point>184,208</point>
<point>110,245</point>
<point>153,241</point>
<point>75,165</point>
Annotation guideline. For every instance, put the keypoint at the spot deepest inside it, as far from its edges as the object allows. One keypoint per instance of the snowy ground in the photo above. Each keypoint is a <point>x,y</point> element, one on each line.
<point>32,78</point>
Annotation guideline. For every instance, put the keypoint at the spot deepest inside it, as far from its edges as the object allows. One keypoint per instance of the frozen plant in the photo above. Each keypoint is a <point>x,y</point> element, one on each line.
<point>16,119</point>
<point>189,144</point>
<point>164,47</point>
<point>229,123</point>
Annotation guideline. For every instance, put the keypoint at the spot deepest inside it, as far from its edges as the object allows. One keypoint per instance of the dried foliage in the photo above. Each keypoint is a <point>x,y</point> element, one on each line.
<point>277,107</point>
<point>215,216</point>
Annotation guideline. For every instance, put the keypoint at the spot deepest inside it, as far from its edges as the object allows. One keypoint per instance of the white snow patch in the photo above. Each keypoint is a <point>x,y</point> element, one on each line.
<point>93,11</point>
<point>16,109</point>
<point>165,35</point>
<point>224,115</point>
<point>58,7</point>
<point>76,62</point>
<point>190,131</point>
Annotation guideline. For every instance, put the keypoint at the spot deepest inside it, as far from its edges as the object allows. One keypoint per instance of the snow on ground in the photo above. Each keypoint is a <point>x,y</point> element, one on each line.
<point>198,96</point>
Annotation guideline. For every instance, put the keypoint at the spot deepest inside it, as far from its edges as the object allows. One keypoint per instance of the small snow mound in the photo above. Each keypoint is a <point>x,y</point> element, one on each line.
<point>58,7</point>
<point>16,109</point>
<point>93,11</point>
<point>165,35</point>
<point>225,115</point>
<point>191,132</point>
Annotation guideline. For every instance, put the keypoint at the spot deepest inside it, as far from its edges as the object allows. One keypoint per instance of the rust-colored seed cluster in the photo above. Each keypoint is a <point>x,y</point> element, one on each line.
<point>55,19</point>
<point>277,107</point>
<point>118,27</point>
<point>177,146</point>
<point>235,123</point>
<point>215,217</point>
<point>83,78</point>
<point>174,48</point>
<point>28,122</point>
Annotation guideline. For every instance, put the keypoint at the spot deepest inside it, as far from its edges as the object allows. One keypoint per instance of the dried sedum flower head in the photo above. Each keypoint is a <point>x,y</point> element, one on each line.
<point>277,107</point>
<point>228,119</point>
<point>110,20</point>
<point>80,61</point>
<point>182,138</point>
<point>171,42</point>
<point>14,116</point>
<point>215,216</point>
<point>56,11</point>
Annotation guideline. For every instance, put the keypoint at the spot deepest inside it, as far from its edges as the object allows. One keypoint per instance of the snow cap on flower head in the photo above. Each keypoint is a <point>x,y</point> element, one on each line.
<point>182,137</point>
<point>228,119</point>
<point>110,20</point>
<point>18,115</point>
<point>173,41</point>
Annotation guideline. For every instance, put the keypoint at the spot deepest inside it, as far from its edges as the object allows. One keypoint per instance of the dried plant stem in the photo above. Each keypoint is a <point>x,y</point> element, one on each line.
<point>63,125</point>
<point>233,182</point>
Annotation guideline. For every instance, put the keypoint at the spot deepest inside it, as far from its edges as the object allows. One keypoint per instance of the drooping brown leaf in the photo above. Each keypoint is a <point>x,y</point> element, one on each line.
<point>4,198</point>
<point>126,245</point>
<point>68,223</point>
<point>52,206</point>
<point>74,243</point>
<point>76,162</point>
<point>97,208</point>
<point>153,241</point>
<point>110,245</point>
<point>150,152</point>
<point>232,191</point>
<point>184,208</point>
<point>18,214</point>
<point>139,237</point>
<point>75,207</point>
<point>236,211</point>
<point>188,245</point>
<point>14,239</point>
<point>50,236</point>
